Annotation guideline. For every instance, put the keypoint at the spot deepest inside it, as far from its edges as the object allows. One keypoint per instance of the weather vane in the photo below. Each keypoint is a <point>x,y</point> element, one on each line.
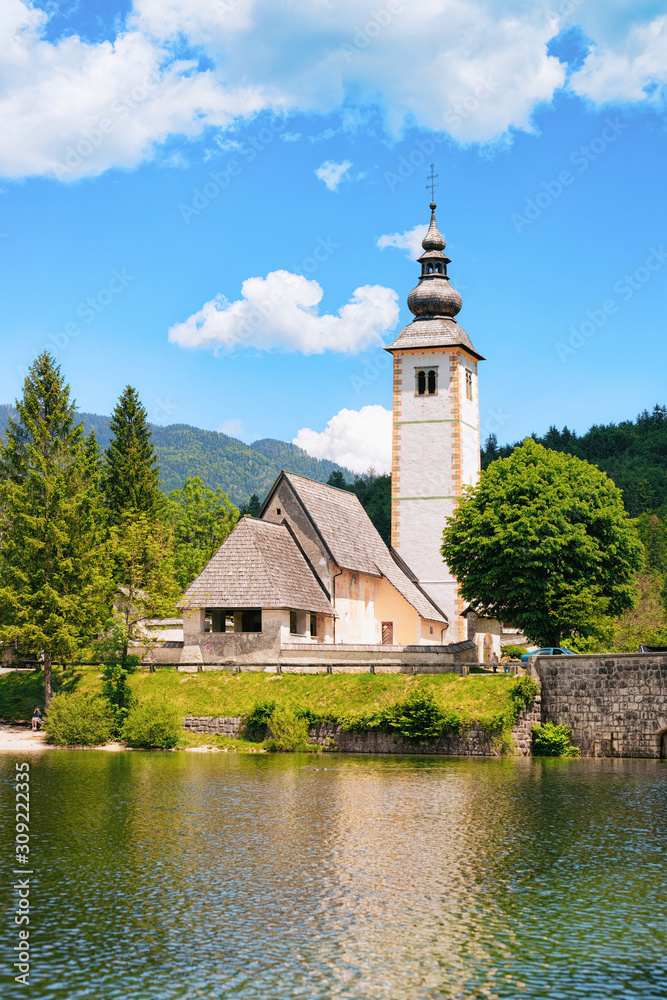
<point>431,182</point>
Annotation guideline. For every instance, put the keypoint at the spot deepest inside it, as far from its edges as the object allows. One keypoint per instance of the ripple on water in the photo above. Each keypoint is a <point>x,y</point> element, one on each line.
<point>165,876</point>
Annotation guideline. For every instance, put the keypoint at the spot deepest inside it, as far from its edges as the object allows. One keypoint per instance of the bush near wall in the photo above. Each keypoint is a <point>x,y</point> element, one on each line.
<point>550,740</point>
<point>79,720</point>
<point>153,725</point>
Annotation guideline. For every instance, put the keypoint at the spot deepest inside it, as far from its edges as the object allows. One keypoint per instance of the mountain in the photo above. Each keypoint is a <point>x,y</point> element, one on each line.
<point>220,460</point>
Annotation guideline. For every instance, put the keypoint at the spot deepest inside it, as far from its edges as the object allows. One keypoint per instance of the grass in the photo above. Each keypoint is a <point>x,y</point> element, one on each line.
<point>486,699</point>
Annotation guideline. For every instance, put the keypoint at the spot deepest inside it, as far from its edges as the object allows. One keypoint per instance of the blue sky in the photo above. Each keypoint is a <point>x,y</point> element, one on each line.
<point>157,155</point>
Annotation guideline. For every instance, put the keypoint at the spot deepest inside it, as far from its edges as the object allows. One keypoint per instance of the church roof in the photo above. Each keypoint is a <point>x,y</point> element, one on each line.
<point>259,565</point>
<point>353,541</point>
<point>432,332</point>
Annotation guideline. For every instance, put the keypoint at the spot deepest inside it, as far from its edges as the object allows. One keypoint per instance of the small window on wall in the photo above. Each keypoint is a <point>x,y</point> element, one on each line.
<point>313,626</point>
<point>426,381</point>
<point>468,384</point>
<point>292,623</point>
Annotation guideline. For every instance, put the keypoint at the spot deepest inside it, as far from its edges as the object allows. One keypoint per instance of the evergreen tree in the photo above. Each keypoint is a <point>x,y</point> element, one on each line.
<point>131,474</point>
<point>251,507</point>
<point>54,592</point>
<point>338,480</point>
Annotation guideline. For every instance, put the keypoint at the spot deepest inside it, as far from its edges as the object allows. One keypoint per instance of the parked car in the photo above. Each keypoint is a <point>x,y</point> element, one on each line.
<point>549,651</point>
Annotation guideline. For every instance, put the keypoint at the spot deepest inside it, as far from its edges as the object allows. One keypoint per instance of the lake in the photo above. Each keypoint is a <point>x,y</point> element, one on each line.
<point>271,877</point>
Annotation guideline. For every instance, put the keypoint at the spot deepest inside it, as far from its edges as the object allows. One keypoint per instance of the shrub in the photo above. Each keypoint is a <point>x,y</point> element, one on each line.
<point>514,652</point>
<point>152,725</point>
<point>288,731</point>
<point>550,740</point>
<point>419,717</point>
<point>79,720</point>
<point>255,724</point>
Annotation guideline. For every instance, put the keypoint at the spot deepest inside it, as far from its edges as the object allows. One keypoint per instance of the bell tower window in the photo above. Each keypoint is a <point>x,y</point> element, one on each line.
<point>426,381</point>
<point>468,385</point>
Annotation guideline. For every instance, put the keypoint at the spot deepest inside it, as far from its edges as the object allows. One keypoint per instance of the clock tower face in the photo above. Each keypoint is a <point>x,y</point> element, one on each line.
<point>436,444</point>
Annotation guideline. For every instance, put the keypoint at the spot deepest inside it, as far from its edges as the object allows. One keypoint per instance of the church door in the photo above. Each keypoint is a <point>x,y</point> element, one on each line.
<point>387,633</point>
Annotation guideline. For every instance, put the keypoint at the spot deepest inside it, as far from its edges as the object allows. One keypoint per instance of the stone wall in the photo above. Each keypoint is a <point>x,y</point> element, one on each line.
<point>615,705</point>
<point>212,726</point>
<point>474,742</point>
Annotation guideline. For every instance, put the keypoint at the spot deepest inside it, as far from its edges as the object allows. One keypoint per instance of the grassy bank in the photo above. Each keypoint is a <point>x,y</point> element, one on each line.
<point>354,701</point>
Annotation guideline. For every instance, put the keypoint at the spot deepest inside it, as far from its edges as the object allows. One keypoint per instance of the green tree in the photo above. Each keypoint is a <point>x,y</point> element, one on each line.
<point>131,474</point>
<point>54,589</point>
<point>543,541</point>
<point>201,519</point>
<point>141,551</point>
<point>251,507</point>
<point>338,480</point>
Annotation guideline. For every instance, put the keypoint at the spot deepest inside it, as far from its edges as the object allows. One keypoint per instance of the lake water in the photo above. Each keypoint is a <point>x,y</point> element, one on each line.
<point>184,875</point>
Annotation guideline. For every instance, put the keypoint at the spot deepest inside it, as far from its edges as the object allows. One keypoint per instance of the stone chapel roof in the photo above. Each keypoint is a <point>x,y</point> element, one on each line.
<point>259,565</point>
<point>353,540</point>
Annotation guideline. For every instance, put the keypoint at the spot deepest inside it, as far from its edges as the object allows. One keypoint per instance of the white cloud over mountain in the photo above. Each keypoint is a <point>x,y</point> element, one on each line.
<point>475,69</point>
<point>280,312</point>
<point>357,439</point>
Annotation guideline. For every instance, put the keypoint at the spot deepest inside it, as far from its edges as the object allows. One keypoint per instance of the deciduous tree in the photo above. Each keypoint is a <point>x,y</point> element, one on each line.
<point>201,519</point>
<point>543,541</point>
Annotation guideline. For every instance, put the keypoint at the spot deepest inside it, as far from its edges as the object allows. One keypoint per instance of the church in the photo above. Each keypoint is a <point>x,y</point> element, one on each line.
<point>311,572</point>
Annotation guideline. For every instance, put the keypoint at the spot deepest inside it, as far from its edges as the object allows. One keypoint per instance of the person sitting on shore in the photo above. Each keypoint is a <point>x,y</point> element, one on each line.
<point>37,718</point>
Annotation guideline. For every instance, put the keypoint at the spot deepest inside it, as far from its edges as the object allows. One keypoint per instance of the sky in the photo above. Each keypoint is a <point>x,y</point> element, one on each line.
<point>220,202</point>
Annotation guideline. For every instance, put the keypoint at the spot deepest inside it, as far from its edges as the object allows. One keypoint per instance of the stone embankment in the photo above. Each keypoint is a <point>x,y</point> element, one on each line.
<point>615,705</point>
<point>473,742</point>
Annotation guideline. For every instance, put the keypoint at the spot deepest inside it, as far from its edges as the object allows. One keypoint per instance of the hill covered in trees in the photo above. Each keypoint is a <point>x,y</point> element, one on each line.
<point>632,453</point>
<point>221,461</point>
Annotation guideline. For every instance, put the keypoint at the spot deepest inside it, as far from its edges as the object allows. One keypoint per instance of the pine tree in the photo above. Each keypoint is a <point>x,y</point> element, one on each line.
<point>131,474</point>
<point>251,507</point>
<point>54,592</point>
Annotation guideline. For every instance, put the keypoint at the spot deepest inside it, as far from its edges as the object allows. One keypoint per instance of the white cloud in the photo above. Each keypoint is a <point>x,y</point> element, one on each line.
<point>333,173</point>
<point>631,69</point>
<point>232,427</point>
<point>473,69</point>
<point>280,311</point>
<point>356,439</point>
<point>71,109</point>
<point>410,240</point>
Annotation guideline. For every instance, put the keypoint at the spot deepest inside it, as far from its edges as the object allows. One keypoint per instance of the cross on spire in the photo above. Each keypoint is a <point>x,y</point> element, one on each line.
<point>431,182</point>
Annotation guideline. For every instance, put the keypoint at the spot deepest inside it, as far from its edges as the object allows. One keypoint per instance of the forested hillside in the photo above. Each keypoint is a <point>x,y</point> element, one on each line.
<point>221,461</point>
<point>632,453</point>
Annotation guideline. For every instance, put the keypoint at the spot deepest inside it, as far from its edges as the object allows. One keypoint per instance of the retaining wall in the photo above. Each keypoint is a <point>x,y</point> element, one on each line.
<point>474,742</point>
<point>615,705</point>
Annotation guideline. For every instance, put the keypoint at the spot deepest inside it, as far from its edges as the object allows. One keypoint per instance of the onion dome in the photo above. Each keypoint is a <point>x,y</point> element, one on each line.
<point>433,302</point>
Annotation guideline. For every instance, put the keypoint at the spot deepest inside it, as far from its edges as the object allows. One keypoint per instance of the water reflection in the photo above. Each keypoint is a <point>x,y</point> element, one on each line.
<point>171,875</point>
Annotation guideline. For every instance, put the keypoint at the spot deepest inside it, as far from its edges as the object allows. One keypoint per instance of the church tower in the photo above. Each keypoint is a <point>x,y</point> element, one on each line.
<point>436,445</point>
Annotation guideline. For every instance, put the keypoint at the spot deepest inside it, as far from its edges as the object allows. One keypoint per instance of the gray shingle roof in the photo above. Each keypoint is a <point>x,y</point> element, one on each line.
<point>433,332</point>
<point>354,542</point>
<point>259,565</point>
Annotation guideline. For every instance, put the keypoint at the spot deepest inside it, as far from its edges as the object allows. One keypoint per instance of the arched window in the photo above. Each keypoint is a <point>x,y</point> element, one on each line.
<point>431,383</point>
<point>421,383</point>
